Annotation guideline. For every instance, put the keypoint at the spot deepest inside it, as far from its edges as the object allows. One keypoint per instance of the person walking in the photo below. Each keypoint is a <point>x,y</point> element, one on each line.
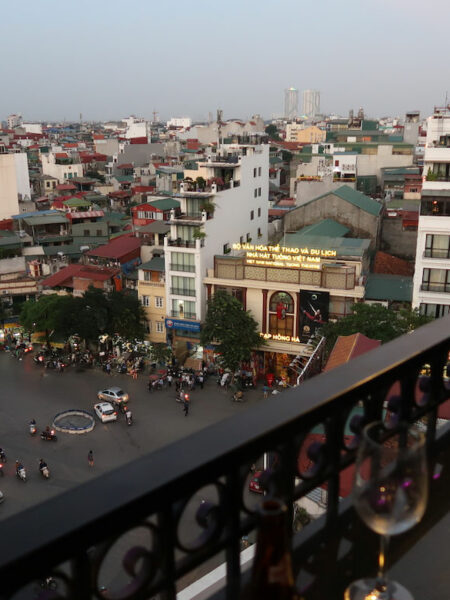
<point>266,391</point>
<point>169,380</point>
<point>91,458</point>
<point>135,373</point>
<point>200,380</point>
<point>108,368</point>
<point>186,405</point>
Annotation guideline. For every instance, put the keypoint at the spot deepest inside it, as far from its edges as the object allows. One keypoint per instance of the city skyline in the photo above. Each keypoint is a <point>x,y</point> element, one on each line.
<point>82,58</point>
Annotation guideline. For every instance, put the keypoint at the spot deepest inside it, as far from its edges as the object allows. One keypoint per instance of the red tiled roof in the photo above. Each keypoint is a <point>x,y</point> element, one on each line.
<point>125,166</point>
<point>66,186</point>
<point>140,189</point>
<point>71,145</point>
<point>388,264</point>
<point>61,155</point>
<point>117,247</point>
<point>120,194</point>
<point>348,347</point>
<point>65,276</point>
<point>98,136</point>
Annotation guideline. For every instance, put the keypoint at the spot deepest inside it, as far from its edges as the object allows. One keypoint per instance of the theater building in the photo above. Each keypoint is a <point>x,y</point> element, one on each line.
<point>291,289</point>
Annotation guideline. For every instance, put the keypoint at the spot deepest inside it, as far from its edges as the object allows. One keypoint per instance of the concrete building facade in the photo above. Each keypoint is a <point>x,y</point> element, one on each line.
<point>311,103</point>
<point>14,183</point>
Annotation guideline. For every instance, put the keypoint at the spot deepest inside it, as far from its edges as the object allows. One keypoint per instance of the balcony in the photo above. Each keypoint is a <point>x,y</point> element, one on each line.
<point>327,554</point>
<point>176,314</point>
<point>443,288</point>
<point>182,292</point>
<point>437,253</point>
<point>199,243</point>
<point>184,268</point>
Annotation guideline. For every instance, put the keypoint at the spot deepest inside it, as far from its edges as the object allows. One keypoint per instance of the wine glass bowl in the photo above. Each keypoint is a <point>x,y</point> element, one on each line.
<point>390,495</point>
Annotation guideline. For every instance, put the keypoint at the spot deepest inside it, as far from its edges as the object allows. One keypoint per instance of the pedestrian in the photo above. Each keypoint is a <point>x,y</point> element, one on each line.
<point>108,368</point>
<point>91,458</point>
<point>135,373</point>
<point>186,405</point>
<point>265,391</point>
<point>200,380</point>
<point>169,380</point>
<point>149,385</point>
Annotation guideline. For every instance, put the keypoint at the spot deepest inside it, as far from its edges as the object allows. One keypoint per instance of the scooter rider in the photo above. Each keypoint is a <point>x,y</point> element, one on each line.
<point>19,466</point>
<point>42,464</point>
<point>129,416</point>
<point>2,454</point>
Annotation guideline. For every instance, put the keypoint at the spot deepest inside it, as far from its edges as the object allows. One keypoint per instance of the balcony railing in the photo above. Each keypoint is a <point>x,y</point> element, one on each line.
<point>437,253</point>
<point>436,287</point>
<point>182,291</point>
<point>78,529</point>
<point>183,315</point>
<point>185,268</point>
<point>181,243</point>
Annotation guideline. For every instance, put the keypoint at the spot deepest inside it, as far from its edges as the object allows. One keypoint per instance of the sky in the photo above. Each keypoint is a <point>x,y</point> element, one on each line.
<point>108,59</point>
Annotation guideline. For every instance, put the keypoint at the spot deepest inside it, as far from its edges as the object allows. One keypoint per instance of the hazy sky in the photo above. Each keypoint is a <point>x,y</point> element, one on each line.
<point>108,58</point>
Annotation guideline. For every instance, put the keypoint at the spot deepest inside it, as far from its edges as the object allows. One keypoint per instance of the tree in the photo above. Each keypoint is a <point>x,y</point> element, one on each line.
<point>126,316</point>
<point>232,329</point>
<point>376,322</point>
<point>160,354</point>
<point>44,314</point>
<point>272,132</point>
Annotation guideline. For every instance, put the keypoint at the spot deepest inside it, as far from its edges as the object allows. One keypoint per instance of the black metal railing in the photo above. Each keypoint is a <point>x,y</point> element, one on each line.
<point>78,528</point>
<point>182,291</point>
<point>186,268</point>
<point>443,288</point>
<point>183,315</point>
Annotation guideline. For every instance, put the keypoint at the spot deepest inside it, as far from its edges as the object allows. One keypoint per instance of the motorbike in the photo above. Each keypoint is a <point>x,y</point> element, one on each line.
<point>2,456</point>
<point>129,420</point>
<point>21,474</point>
<point>44,472</point>
<point>33,428</point>
<point>2,497</point>
<point>49,436</point>
<point>1,469</point>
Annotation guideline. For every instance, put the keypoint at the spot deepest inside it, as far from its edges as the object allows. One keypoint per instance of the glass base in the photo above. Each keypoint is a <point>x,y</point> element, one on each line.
<point>364,589</point>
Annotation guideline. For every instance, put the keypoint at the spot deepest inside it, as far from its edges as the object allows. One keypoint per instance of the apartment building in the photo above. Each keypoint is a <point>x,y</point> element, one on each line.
<point>14,183</point>
<point>61,165</point>
<point>231,206</point>
<point>431,292</point>
<point>151,293</point>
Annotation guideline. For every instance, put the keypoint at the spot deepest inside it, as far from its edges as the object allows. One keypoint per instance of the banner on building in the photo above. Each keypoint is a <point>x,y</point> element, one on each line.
<point>314,309</point>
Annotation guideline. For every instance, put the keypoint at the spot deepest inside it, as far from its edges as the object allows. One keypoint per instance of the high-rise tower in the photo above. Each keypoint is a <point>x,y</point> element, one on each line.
<point>311,103</point>
<point>290,103</point>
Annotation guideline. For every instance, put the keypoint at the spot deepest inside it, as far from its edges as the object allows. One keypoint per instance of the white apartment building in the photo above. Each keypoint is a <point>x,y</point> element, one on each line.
<point>14,121</point>
<point>14,183</point>
<point>431,291</point>
<point>232,207</point>
<point>61,165</point>
<point>183,122</point>
<point>311,103</point>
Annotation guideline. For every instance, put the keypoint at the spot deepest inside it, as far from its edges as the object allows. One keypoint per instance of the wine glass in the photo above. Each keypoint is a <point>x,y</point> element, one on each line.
<point>390,495</point>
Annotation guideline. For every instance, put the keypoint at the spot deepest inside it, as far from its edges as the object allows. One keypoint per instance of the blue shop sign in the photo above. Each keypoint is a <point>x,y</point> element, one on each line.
<point>185,325</point>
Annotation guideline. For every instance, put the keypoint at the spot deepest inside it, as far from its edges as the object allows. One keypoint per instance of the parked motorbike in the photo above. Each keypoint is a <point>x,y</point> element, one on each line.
<point>49,435</point>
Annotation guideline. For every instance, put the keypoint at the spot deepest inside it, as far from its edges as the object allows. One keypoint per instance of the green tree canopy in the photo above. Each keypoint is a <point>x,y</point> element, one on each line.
<point>44,314</point>
<point>272,132</point>
<point>232,329</point>
<point>375,321</point>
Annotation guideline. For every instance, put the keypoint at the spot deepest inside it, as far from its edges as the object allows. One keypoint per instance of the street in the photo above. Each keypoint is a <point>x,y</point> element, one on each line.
<point>30,391</point>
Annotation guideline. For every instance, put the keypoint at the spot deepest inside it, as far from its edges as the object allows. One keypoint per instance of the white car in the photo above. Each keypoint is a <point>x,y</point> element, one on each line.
<point>113,394</point>
<point>105,412</point>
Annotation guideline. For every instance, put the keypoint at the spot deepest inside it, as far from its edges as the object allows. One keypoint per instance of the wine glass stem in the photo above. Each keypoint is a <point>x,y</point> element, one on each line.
<point>381,583</point>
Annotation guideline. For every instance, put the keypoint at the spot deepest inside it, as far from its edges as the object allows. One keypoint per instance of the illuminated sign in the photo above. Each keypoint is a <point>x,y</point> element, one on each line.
<point>277,337</point>
<point>284,256</point>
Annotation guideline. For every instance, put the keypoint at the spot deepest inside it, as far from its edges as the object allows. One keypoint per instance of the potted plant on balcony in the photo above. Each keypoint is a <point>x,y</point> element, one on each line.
<point>209,207</point>
<point>199,235</point>
<point>201,183</point>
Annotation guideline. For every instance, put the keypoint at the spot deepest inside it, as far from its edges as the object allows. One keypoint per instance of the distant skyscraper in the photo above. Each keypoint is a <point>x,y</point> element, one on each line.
<point>311,103</point>
<point>290,103</point>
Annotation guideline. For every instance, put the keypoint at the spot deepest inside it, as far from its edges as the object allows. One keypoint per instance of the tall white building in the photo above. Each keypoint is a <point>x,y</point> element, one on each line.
<point>14,183</point>
<point>290,103</point>
<point>431,291</point>
<point>14,121</point>
<point>311,103</point>
<point>232,207</point>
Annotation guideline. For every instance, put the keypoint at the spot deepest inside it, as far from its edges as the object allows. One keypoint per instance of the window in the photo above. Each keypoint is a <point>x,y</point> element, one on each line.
<point>86,232</point>
<point>259,212</point>
<point>183,308</point>
<point>435,207</point>
<point>159,301</point>
<point>249,239</point>
<point>281,314</point>
<point>434,310</point>
<point>436,280</point>
<point>147,276</point>
<point>237,293</point>
<point>226,248</point>
<point>99,232</point>
<point>184,286</point>
<point>145,300</point>
<point>255,193</point>
<point>252,215</point>
<point>148,326</point>
<point>254,172</point>
<point>259,191</point>
<point>259,232</point>
<point>159,327</point>
<point>48,183</point>
<point>336,163</point>
<point>183,261</point>
<point>437,246</point>
<point>259,171</point>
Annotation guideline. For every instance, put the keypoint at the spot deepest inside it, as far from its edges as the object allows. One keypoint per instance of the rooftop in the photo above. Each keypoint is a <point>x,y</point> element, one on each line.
<point>326,227</point>
<point>117,248</point>
<point>389,287</point>
<point>345,247</point>
<point>348,347</point>
<point>155,264</point>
